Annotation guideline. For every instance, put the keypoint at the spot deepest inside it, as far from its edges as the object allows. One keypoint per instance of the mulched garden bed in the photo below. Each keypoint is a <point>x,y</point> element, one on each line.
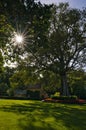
<point>70,101</point>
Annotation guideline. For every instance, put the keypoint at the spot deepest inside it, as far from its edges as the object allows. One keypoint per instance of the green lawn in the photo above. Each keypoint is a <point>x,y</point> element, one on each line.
<point>38,115</point>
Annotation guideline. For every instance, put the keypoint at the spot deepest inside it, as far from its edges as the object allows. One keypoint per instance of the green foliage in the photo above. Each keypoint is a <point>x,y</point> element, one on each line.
<point>1,62</point>
<point>23,77</point>
<point>5,31</point>
<point>50,82</point>
<point>3,89</point>
<point>13,10</point>
<point>53,45</point>
<point>10,92</point>
<point>57,43</point>
<point>17,80</point>
<point>77,81</point>
<point>66,42</point>
<point>5,74</point>
<point>3,84</point>
<point>64,97</point>
<point>79,90</point>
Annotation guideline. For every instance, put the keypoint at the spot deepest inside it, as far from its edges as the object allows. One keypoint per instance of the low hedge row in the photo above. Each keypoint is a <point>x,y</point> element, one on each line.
<point>64,97</point>
<point>18,98</point>
<point>10,97</point>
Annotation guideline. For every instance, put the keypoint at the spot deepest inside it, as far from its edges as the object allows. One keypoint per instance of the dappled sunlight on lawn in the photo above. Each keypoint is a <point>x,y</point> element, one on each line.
<point>37,115</point>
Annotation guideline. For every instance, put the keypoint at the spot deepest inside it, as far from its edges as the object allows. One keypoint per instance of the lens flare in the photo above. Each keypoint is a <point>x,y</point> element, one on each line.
<point>19,38</point>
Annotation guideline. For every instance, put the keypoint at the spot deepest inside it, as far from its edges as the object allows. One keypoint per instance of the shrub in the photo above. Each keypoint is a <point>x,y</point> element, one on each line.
<point>64,97</point>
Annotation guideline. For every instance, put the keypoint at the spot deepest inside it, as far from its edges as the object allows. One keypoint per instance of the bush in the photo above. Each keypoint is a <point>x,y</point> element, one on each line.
<point>64,97</point>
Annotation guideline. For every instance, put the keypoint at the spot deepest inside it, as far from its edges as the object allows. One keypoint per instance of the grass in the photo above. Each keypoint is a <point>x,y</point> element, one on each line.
<point>37,115</point>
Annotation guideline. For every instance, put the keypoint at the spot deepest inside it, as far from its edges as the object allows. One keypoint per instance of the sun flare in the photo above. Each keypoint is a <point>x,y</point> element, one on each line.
<point>19,38</point>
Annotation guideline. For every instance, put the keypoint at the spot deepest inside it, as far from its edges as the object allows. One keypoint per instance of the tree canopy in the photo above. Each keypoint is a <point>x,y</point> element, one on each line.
<point>54,38</point>
<point>64,46</point>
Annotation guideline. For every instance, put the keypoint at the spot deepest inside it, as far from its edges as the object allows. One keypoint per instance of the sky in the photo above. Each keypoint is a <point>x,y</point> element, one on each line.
<point>73,3</point>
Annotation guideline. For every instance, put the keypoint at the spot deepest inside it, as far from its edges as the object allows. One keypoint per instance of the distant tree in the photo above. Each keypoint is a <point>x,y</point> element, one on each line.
<point>22,78</point>
<point>77,83</point>
<point>50,82</point>
<point>3,84</point>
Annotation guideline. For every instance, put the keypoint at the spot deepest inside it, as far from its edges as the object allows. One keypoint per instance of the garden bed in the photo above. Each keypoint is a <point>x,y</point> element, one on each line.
<point>70,101</point>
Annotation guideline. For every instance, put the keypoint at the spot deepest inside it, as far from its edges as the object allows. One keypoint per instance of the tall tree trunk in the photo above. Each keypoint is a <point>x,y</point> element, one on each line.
<point>64,85</point>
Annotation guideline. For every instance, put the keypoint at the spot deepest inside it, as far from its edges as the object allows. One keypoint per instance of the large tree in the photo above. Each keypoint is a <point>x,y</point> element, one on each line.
<point>62,47</point>
<point>67,41</point>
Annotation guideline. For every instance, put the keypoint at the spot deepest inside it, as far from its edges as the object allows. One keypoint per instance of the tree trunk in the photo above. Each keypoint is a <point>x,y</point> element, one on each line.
<point>64,85</point>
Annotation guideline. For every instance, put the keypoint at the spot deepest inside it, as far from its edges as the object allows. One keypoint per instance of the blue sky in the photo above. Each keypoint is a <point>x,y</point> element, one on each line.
<point>73,3</point>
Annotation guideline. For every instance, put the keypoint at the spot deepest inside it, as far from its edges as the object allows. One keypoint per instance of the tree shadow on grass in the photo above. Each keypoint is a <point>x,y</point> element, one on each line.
<point>48,116</point>
<point>55,117</point>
